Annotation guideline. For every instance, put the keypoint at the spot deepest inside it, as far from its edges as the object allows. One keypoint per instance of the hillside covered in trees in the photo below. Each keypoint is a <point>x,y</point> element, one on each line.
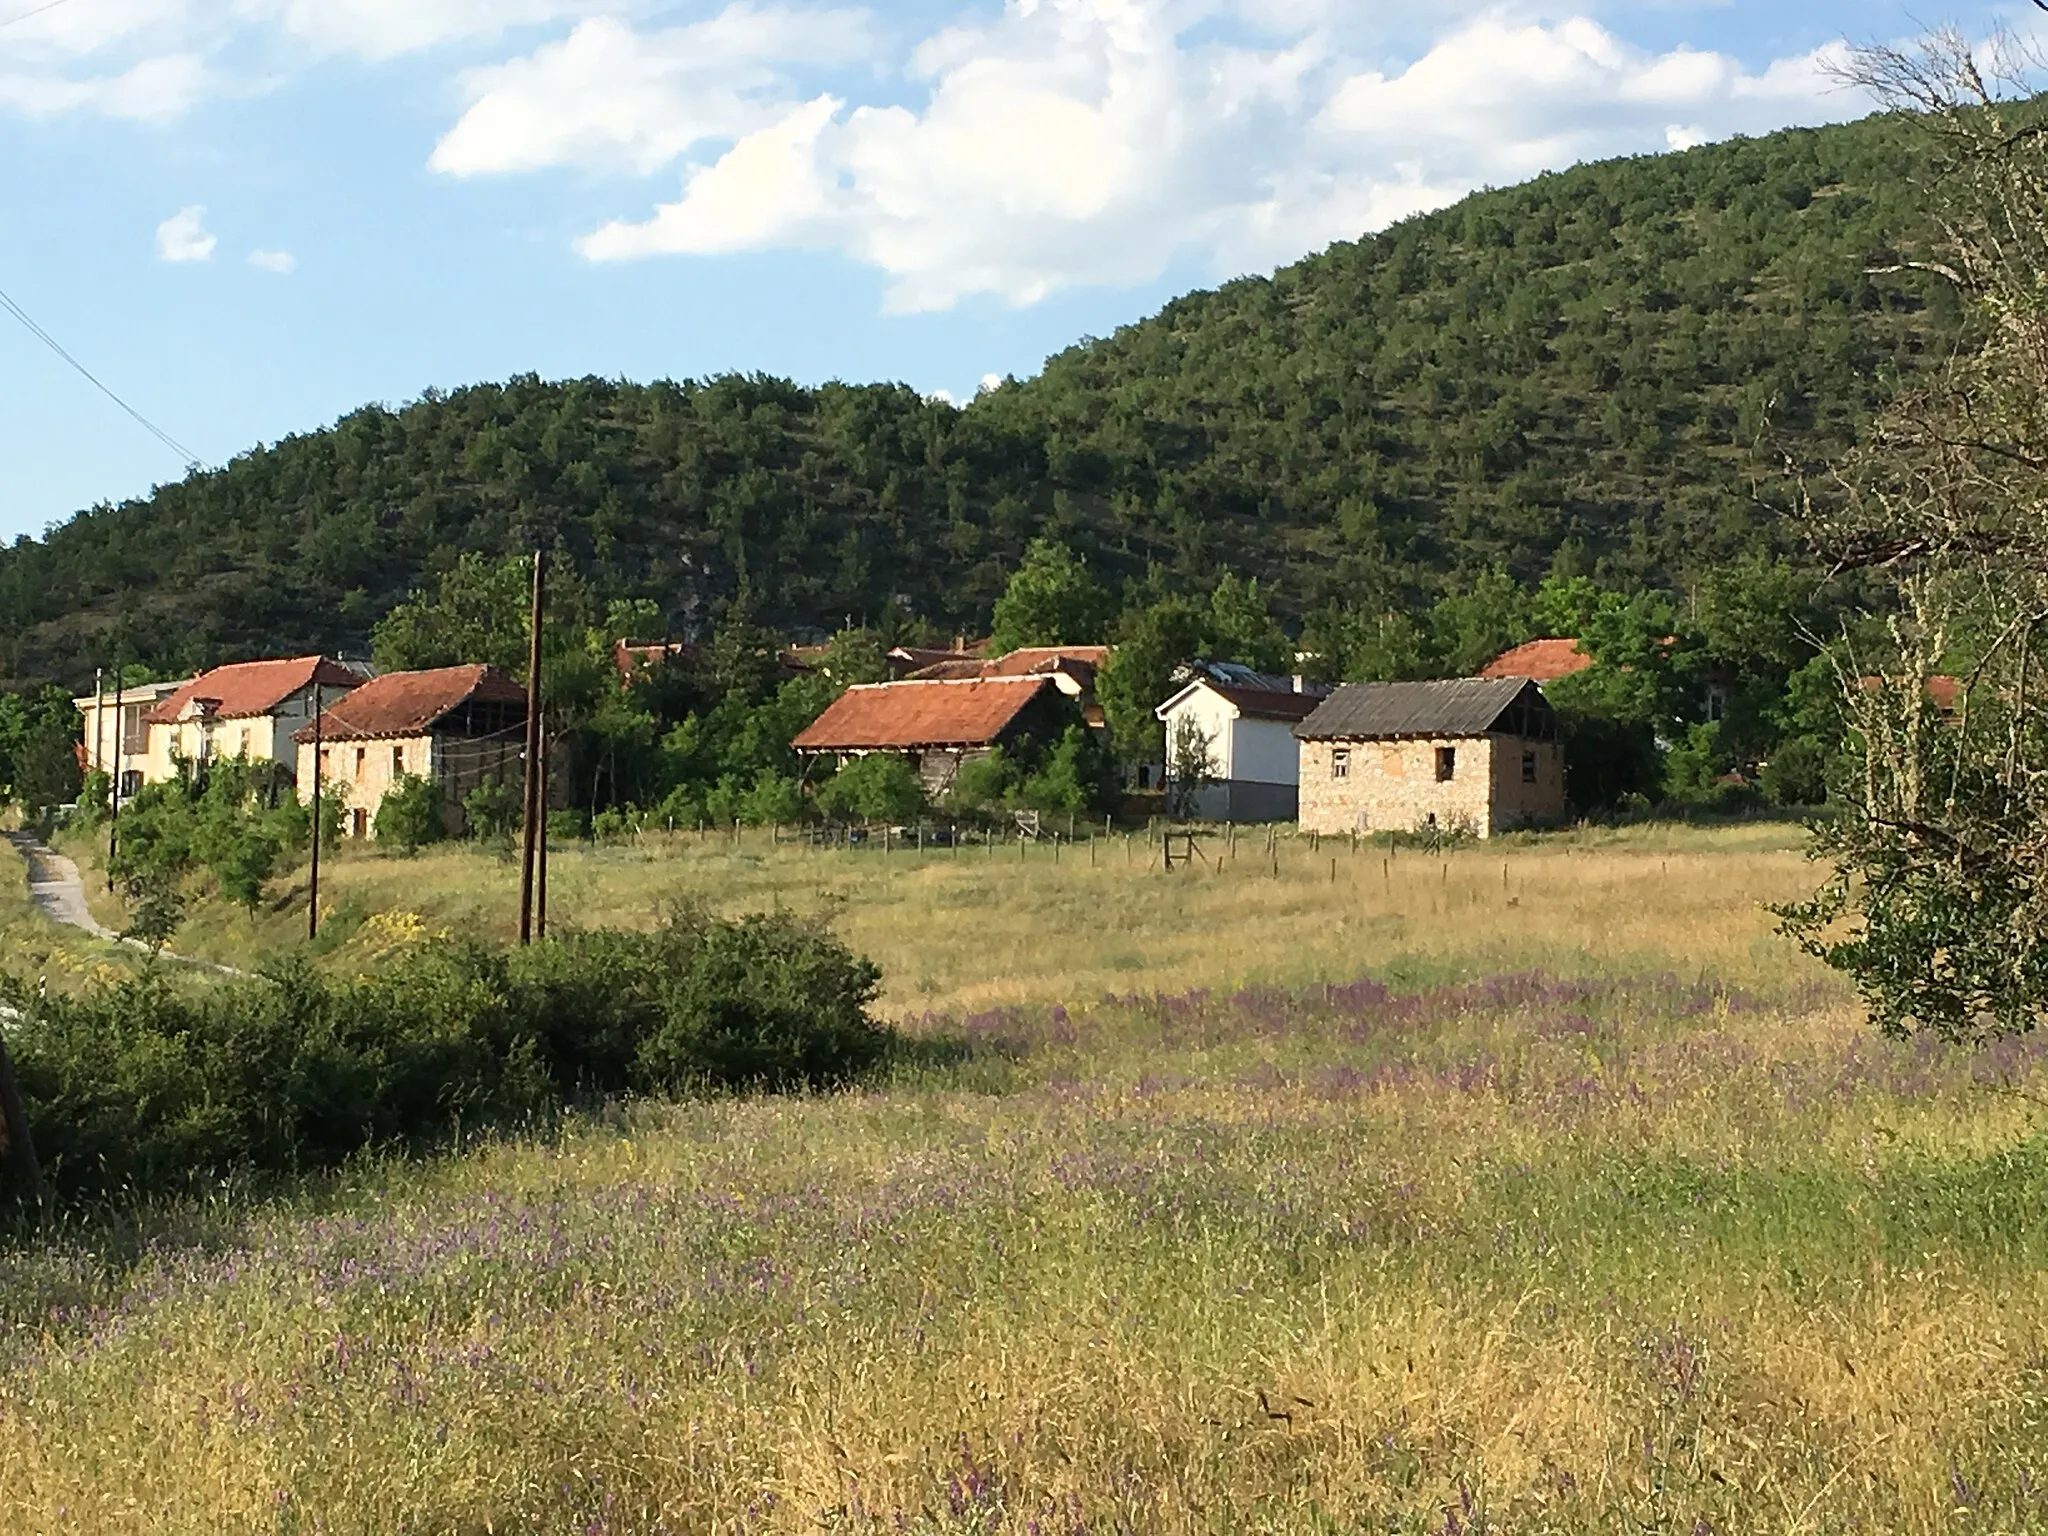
<point>1600,372</point>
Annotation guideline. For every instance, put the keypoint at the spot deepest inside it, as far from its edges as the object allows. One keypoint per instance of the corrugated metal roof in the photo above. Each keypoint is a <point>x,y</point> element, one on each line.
<point>920,713</point>
<point>408,703</point>
<point>1459,706</point>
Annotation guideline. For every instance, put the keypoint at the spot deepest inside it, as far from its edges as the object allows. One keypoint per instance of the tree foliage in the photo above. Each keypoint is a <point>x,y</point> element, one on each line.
<point>1595,365</point>
<point>1938,906</point>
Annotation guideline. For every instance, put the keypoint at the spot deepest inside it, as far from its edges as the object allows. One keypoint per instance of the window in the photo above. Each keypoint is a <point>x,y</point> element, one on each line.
<point>134,734</point>
<point>359,822</point>
<point>326,762</point>
<point>1340,763</point>
<point>131,783</point>
<point>397,762</point>
<point>362,760</point>
<point>1528,767</point>
<point>1446,764</point>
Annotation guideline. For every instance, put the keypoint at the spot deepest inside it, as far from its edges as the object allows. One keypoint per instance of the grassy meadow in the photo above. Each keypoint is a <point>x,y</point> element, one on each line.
<point>971,928</point>
<point>1537,1188</point>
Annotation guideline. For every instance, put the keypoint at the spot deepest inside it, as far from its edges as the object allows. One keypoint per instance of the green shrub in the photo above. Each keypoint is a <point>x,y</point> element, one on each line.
<point>138,1086</point>
<point>775,800</point>
<point>490,811</point>
<point>878,787</point>
<point>412,814</point>
<point>567,826</point>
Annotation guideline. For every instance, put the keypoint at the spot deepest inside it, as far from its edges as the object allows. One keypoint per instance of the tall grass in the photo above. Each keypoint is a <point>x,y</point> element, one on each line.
<point>1654,1236</point>
<point>961,929</point>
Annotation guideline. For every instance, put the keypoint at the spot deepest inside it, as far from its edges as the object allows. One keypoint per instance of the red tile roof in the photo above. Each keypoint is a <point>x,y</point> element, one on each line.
<point>1543,660</point>
<point>629,656</point>
<point>1944,693</point>
<point>250,688</point>
<point>920,713</point>
<point>1040,658</point>
<point>1078,661</point>
<point>408,703</point>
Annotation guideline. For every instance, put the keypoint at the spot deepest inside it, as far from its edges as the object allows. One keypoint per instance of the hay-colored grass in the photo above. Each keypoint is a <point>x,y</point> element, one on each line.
<point>1661,1239</point>
<point>968,929</point>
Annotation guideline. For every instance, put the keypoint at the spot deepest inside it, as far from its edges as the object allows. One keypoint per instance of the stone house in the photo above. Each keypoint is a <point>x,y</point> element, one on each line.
<point>1478,755</point>
<point>460,726</point>
<point>936,724</point>
<point>1247,720</point>
<point>248,709</point>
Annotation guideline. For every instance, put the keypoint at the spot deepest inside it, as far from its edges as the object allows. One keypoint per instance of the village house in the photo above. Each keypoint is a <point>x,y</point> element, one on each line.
<point>248,709</point>
<point>116,741</point>
<point>459,726</point>
<point>1072,669</point>
<point>1473,755</point>
<point>936,724</point>
<point>1250,767</point>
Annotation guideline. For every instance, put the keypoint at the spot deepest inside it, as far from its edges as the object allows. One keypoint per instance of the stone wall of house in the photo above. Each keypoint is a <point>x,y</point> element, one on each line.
<point>361,773</point>
<point>1519,800</point>
<point>1392,786</point>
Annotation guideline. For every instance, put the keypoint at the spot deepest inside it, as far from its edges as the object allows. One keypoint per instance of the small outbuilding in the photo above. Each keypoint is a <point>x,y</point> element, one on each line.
<point>1470,754</point>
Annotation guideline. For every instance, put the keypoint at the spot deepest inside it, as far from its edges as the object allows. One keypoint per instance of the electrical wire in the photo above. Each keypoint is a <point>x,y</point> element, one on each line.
<point>190,458</point>
<point>31,15</point>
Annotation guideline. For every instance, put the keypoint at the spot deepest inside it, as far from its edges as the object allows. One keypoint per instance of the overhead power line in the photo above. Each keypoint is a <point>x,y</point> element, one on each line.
<point>189,458</point>
<point>32,15</point>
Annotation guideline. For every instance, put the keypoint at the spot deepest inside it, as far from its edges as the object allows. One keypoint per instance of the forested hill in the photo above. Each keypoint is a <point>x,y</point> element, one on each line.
<point>1597,367</point>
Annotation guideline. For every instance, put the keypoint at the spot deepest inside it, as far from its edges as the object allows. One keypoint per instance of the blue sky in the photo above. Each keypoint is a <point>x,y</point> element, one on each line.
<point>250,216</point>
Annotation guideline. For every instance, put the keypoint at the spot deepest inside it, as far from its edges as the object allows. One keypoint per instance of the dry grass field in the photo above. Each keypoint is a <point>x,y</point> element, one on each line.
<point>975,928</point>
<point>1412,1200</point>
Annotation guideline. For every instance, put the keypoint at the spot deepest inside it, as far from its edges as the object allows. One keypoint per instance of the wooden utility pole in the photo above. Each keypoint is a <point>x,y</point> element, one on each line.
<point>540,900</point>
<point>23,1170</point>
<point>530,843</point>
<point>99,719</point>
<point>120,741</point>
<point>313,883</point>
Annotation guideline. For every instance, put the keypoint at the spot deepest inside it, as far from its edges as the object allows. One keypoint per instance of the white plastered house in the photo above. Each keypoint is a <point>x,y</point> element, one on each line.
<point>1246,720</point>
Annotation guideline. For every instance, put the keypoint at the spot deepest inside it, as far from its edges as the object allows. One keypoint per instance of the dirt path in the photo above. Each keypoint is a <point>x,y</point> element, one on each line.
<point>58,892</point>
<point>54,885</point>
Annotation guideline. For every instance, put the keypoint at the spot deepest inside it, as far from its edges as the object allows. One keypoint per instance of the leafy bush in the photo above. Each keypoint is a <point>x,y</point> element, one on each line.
<point>878,787</point>
<point>236,820</point>
<point>412,814</point>
<point>775,799</point>
<point>138,1086</point>
<point>490,811</point>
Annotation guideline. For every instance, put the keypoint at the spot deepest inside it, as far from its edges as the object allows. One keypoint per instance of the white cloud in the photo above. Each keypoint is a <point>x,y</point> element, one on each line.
<point>155,89</point>
<point>1098,141</point>
<point>383,29</point>
<point>1497,101</point>
<point>157,59</point>
<point>183,236</point>
<point>283,263</point>
<point>607,96</point>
